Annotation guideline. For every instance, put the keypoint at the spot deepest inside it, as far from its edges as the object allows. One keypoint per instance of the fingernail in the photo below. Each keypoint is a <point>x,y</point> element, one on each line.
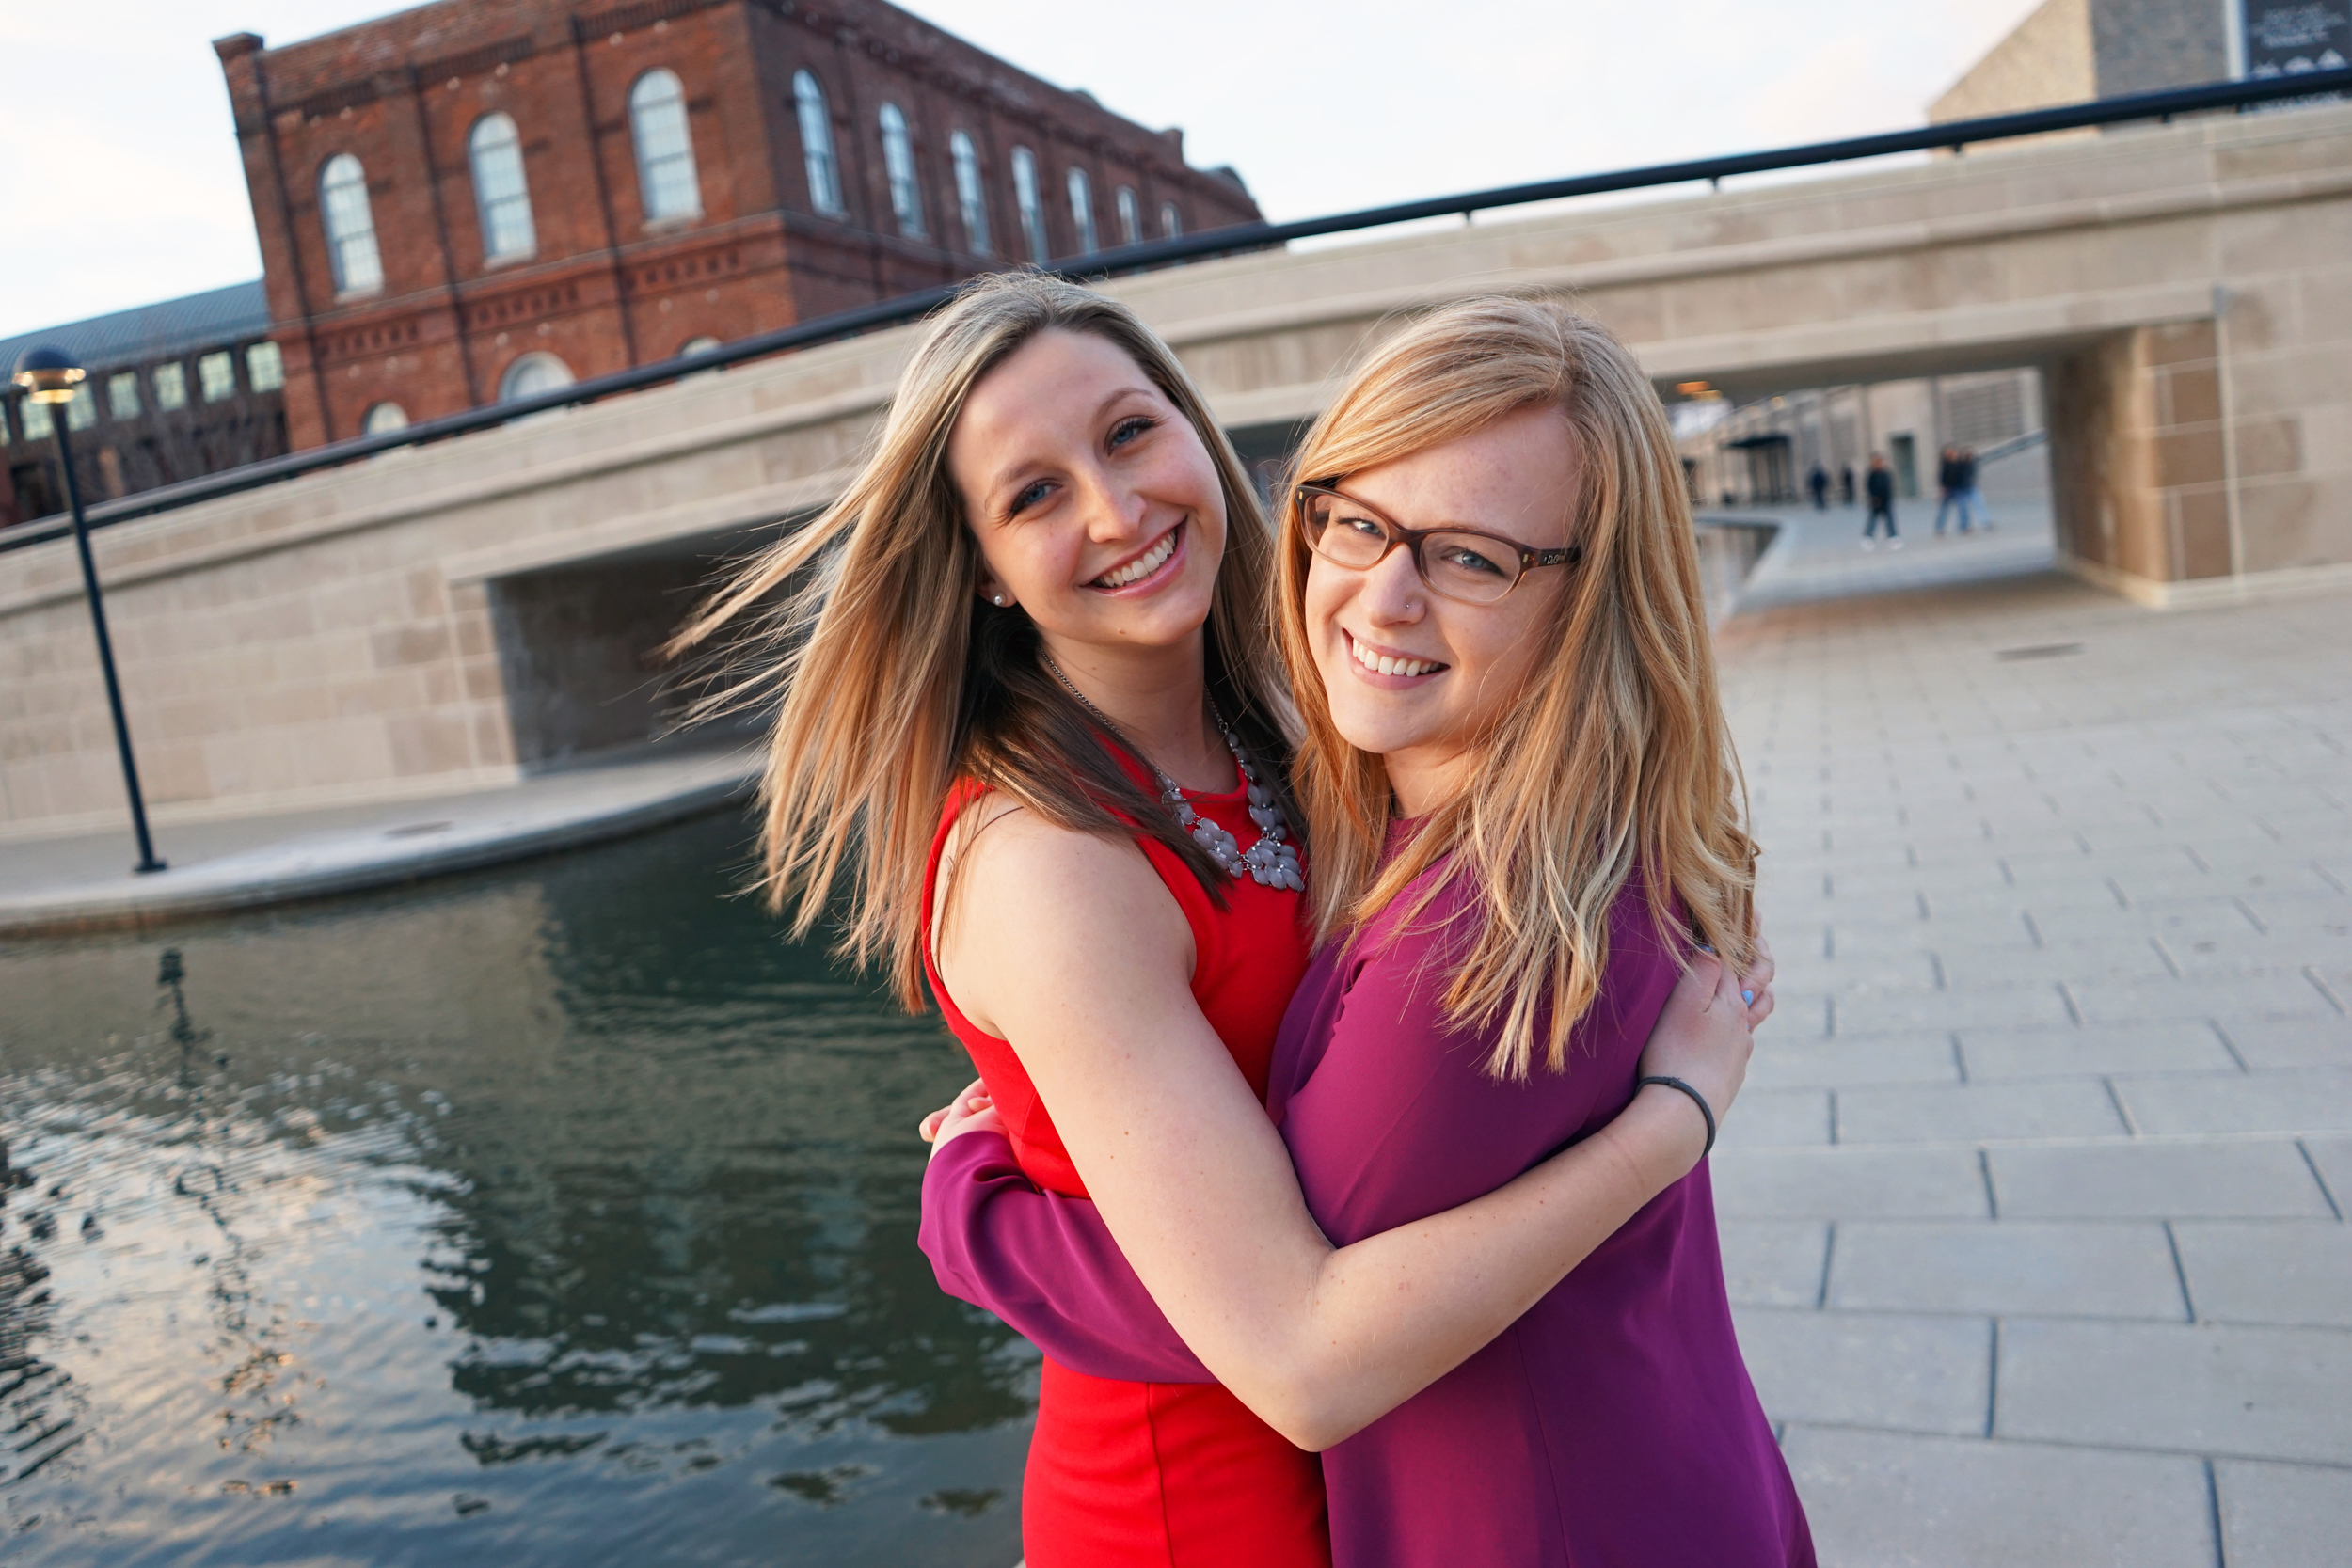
<point>1747,996</point>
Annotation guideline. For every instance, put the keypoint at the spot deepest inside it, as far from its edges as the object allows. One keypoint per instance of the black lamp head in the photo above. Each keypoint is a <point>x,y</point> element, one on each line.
<point>48,373</point>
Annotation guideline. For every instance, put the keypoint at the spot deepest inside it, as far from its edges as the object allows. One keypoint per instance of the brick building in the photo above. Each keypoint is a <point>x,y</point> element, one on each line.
<point>478,198</point>
<point>175,389</point>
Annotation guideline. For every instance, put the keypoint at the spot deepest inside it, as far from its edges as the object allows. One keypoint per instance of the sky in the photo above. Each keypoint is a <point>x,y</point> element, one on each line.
<point>118,164</point>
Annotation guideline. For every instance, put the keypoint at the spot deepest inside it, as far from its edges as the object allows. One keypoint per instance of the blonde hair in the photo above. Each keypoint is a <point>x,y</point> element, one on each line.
<point>1615,757</point>
<point>892,679</point>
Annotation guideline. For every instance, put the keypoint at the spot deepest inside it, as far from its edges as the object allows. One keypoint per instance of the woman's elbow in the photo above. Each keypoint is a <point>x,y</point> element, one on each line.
<point>1308,1416</point>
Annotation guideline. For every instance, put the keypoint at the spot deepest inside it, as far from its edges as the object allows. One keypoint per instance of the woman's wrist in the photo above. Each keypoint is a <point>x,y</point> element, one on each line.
<point>1662,1134</point>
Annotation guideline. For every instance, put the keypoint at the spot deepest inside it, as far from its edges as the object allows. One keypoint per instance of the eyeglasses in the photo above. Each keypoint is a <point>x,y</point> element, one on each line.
<point>1461,563</point>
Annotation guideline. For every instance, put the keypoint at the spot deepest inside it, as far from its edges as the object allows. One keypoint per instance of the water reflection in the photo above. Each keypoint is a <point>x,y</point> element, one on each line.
<point>563,1215</point>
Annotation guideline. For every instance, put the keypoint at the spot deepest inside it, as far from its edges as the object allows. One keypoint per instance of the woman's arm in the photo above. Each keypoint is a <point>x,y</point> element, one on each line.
<point>1081,963</point>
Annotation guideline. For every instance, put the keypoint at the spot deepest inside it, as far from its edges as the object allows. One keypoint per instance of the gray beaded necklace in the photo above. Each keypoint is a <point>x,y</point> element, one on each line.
<point>1272,862</point>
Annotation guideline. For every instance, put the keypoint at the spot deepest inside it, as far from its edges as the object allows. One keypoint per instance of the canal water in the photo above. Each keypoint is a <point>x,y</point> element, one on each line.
<point>562,1214</point>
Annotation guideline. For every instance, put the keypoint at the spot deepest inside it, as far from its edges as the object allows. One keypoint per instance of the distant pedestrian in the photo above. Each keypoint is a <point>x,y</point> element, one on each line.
<point>1948,489</point>
<point>1881,485</point>
<point>1818,481</point>
<point>1971,499</point>
<point>1845,484</point>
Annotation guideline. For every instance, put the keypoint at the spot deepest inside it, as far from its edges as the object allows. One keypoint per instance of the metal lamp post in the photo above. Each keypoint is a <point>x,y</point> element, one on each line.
<point>49,376</point>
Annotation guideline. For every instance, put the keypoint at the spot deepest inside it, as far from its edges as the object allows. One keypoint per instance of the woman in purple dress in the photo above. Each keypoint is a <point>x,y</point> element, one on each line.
<point>1524,811</point>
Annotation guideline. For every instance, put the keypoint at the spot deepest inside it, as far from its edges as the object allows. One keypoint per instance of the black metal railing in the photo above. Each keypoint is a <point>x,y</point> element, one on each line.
<point>1952,135</point>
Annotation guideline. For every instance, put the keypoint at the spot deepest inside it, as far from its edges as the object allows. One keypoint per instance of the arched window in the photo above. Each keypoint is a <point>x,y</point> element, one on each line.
<point>350,226</point>
<point>1130,216</point>
<point>383,417</point>
<point>534,372</point>
<point>700,343</point>
<point>1082,211</point>
<point>666,149</point>
<point>971,198</point>
<point>1171,221</point>
<point>499,190</point>
<point>824,174</point>
<point>1026,197</point>
<point>906,200</point>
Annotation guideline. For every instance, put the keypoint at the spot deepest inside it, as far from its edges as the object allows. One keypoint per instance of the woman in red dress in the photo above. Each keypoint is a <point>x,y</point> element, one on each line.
<point>1030,711</point>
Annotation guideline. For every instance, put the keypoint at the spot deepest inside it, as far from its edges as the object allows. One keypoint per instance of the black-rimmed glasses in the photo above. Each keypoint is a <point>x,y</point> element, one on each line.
<point>1461,563</point>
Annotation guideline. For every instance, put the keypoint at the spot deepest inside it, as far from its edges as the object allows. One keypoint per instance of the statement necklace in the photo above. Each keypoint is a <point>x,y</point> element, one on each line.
<point>1271,861</point>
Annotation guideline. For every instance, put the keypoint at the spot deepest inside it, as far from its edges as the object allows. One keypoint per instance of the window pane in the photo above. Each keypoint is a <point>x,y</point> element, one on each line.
<point>534,372</point>
<point>122,396</point>
<point>350,226</point>
<point>499,190</point>
<point>36,421</point>
<point>218,374</point>
<point>1130,216</point>
<point>171,386</point>
<point>384,417</point>
<point>971,200</point>
<point>665,147</point>
<point>264,368</point>
<point>1024,195</point>
<point>824,175</point>
<point>1171,221</point>
<point>82,412</point>
<point>1082,211</point>
<point>906,201</point>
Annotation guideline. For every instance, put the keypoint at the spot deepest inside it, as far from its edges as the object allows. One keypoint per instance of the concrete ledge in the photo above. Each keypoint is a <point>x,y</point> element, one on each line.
<point>286,859</point>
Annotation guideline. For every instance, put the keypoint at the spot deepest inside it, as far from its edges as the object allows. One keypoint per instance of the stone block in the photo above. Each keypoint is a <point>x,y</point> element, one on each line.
<point>1776,1118</point>
<point>1847,1062</point>
<point>1992,1056</point>
<point>2291,1271</point>
<point>2156,1181</point>
<point>1918,1012</point>
<point>2298,1099</point>
<point>2256,1392</point>
<point>1964,1112</point>
<point>1840,1183</point>
<point>2005,1267</point>
<point>2283,1515</point>
<point>2285,994</point>
<point>1887,1500</point>
<point>1774,1262</point>
<point>1873,1370</point>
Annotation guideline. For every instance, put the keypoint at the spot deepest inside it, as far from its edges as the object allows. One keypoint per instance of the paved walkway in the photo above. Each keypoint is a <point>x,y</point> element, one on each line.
<point>2035,1210</point>
<point>1818,554</point>
<point>64,884</point>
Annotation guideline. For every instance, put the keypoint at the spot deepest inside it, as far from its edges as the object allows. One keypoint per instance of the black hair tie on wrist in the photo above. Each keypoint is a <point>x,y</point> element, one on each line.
<point>1697,1098</point>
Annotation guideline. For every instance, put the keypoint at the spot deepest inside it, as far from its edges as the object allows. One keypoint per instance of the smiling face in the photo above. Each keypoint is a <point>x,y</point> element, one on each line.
<point>1096,506</point>
<point>1417,677</point>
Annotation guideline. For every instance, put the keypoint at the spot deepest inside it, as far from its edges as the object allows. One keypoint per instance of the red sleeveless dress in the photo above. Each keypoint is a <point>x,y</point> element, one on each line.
<point>1173,1475</point>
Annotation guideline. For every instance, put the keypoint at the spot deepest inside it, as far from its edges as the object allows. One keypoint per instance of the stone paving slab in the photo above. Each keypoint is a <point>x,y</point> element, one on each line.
<point>2059,1108</point>
<point>1830,1183</point>
<point>2331,1167</point>
<point>2134,1180</point>
<point>1774,1262</point>
<point>2283,1515</point>
<point>2093,1051</point>
<point>2256,1392</point>
<point>2287,1271</point>
<point>1880,1500</point>
<point>1890,1371</point>
<point>2016,1266</point>
<point>2297,1100</point>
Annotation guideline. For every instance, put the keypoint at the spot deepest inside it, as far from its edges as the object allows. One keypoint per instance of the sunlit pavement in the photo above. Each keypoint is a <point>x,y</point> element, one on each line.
<point>2034,1210</point>
<point>1820,554</point>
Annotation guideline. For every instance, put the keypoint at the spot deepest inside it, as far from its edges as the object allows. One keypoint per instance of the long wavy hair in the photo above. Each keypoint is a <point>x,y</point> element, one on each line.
<point>1616,756</point>
<point>891,680</point>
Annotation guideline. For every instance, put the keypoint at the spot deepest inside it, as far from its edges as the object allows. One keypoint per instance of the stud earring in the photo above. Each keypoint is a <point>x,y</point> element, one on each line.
<point>998,600</point>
